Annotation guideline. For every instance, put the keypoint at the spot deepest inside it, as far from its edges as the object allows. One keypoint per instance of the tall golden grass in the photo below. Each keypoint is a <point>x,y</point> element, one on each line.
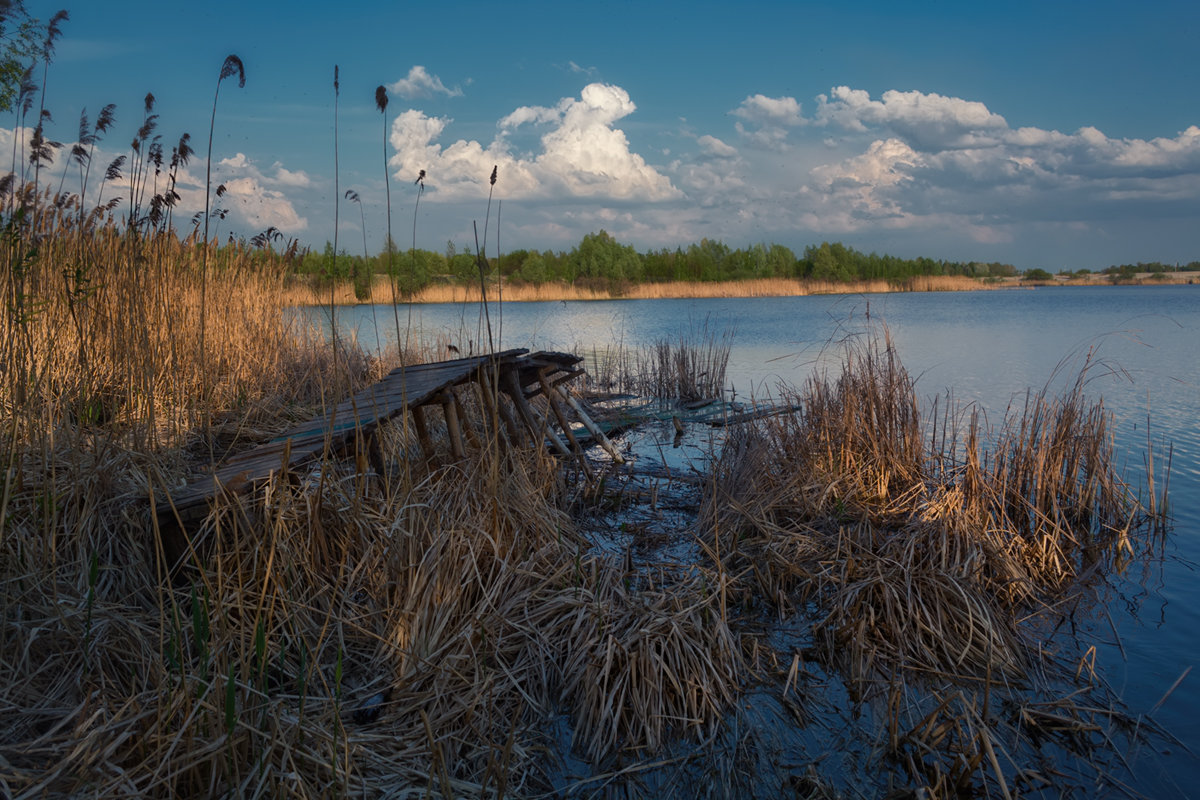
<point>339,632</point>
<point>301,290</point>
<point>930,553</point>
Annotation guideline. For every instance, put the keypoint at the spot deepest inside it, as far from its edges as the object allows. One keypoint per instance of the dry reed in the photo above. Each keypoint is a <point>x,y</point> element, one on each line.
<point>762,287</point>
<point>341,632</point>
<point>933,554</point>
<point>924,546</point>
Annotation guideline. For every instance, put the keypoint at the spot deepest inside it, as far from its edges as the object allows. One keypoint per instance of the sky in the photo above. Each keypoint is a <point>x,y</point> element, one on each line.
<point>1059,135</point>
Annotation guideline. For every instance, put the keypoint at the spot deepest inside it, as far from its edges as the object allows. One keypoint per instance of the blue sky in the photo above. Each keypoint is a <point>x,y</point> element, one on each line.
<point>1050,134</point>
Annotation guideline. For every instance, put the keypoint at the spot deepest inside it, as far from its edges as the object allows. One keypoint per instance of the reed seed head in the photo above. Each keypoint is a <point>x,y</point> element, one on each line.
<point>420,178</point>
<point>105,120</point>
<point>27,90</point>
<point>84,132</point>
<point>381,98</point>
<point>233,66</point>
<point>183,151</point>
<point>53,31</point>
<point>113,172</point>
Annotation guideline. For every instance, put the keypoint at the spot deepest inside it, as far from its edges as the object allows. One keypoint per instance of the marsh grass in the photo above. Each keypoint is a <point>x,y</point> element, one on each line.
<point>924,545</point>
<point>766,287</point>
<point>932,552</point>
<point>688,367</point>
<point>338,631</point>
<point>347,632</point>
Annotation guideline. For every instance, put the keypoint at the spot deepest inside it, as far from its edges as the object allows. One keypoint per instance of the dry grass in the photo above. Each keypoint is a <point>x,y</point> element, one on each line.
<point>301,293</point>
<point>933,555</point>
<point>351,633</point>
<point>924,546</point>
<point>689,367</point>
<point>343,632</point>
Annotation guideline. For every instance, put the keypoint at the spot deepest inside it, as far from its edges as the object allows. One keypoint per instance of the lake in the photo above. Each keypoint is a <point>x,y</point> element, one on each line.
<point>986,347</point>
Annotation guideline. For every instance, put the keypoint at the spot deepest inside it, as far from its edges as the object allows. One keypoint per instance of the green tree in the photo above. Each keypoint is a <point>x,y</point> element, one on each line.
<point>20,44</point>
<point>826,263</point>
<point>600,257</point>
<point>533,269</point>
<point>780,262</point>
<point>509,264</point>
<point>462,267</point>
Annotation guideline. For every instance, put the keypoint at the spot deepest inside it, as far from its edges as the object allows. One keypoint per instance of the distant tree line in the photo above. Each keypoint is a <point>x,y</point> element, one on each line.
<point>602,263</point>
<point>1119,273</point>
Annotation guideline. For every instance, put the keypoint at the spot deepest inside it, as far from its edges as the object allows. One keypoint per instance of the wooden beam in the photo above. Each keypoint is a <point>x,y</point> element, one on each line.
<point>537,427</point>
<point>467,427</point>
<point>564,423</point>
<point>422,427</point>
<point>595,430</point>
<point>561,379</point>
<point>452,427</point>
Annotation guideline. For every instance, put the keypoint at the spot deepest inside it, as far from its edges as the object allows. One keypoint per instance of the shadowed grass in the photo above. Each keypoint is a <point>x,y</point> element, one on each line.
<point>344,632</point>
<point>928,563</point>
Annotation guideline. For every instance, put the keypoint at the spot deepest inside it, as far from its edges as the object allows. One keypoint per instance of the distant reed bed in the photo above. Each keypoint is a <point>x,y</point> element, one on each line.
<point>302,291</point>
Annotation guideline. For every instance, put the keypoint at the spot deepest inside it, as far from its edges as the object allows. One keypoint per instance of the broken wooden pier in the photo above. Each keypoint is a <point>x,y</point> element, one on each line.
<point>506,382</point>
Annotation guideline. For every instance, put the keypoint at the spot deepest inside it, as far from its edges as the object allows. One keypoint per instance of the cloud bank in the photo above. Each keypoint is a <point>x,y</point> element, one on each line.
<point>905,171</point>
<point>581,154</point>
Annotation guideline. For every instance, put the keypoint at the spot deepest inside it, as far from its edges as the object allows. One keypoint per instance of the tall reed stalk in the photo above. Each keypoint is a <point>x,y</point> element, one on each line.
<point>482,264</point>
<point>412,254</point>
<point>42,149</point>
<point>232,65</point>
<point>381,103</point>
<point>333,331</point>
<point>362,283</point>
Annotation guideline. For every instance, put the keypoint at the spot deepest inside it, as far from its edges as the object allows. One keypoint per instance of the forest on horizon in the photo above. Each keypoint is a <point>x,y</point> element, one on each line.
<point>601,263</point>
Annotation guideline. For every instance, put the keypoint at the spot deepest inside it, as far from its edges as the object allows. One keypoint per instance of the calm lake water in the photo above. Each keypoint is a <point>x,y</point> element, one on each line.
<point>984,347</point>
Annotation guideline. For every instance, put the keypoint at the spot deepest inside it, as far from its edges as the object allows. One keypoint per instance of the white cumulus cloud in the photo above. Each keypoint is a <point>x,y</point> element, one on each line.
<point>257,199</point>
<point>767,120</point>
<point>926,121</point>
<point>581,153</point>
<point>782,111</point>
<point>715,147</point>
<point>419,83</point>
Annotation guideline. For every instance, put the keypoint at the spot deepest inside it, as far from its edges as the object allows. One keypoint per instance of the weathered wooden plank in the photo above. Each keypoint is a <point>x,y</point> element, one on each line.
<point>405,387</point>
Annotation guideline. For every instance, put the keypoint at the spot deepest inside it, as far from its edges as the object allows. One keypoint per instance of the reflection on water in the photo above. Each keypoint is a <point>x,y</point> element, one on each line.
<point>986,348</point>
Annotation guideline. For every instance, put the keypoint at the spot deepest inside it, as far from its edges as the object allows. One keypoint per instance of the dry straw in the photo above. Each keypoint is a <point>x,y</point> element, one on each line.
<point>341,632</point>
<point>933,555</point>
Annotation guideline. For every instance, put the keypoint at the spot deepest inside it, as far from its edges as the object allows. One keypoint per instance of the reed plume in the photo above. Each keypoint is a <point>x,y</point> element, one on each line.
<point>42,150</point>
<point>381,103</point>
<point>231,66</point>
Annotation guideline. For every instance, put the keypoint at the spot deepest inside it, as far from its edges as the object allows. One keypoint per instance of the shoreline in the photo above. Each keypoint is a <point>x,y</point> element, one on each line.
<point>300,292</point>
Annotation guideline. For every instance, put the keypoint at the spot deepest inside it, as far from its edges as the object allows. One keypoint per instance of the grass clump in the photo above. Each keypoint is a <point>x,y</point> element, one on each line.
<point>928,562</point>
<point>688,367</point>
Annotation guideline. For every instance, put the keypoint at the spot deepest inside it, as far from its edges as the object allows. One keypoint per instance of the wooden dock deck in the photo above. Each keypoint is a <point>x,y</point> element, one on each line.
<point>352,424</point>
